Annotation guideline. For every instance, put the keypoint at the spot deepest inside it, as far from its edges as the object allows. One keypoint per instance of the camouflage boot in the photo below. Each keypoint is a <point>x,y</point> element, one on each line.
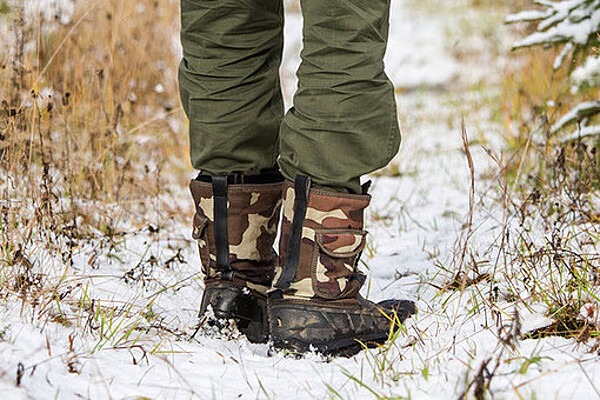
<point>235,225</point>
<point>317,303</point>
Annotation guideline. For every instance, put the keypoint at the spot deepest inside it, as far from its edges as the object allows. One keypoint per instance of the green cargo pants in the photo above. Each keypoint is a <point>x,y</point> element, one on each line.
<point>343,123</point>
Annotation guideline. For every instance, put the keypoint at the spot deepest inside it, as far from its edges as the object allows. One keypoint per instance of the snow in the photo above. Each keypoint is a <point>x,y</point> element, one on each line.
<point>567,49</point>
<point>431,66</point>
<point>121,323</point>
<point>591,314</point>
<point>60,10</point>
<point>579,112</point>
<point>568,21</point>
<point>528,15</point>
<point>582,132</point>
<point>574,24</point>
<point>588,72</point>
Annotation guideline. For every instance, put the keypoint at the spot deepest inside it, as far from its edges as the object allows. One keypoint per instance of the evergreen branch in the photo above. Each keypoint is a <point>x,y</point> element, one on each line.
<point>579,113</point>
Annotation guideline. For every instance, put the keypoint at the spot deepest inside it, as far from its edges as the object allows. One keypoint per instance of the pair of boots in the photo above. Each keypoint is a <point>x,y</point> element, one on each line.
<point>308,296</point>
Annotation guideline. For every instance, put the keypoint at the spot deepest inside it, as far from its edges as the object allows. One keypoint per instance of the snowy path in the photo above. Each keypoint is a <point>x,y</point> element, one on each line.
<point>147,290</point>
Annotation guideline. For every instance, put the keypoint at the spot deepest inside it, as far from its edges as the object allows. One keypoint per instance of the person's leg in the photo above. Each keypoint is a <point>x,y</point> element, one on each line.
<point>229,83</point>
<point>343,123</point>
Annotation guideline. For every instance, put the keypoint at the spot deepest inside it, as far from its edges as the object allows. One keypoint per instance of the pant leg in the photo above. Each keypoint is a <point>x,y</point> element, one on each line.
<point>343,123</point>
<point>229,82</point>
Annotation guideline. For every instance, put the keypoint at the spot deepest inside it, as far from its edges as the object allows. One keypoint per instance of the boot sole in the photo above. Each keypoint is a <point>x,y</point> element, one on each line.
<point>246,307</point>
<point>299,326</point>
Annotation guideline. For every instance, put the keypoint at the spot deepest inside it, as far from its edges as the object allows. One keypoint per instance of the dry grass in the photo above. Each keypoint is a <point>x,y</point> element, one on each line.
<point>555,193</point>
<point>89,121</point>
<point>549,251</point>
<point>534,97</point>
<point>90,109</point>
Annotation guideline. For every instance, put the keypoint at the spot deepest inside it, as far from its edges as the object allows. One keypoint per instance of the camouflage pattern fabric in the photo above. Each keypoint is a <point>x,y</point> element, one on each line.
<point>253,214</point>
<point>332,241</point>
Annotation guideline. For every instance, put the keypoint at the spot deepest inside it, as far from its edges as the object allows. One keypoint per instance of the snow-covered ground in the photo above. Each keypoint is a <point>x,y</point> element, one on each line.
<point>142,291</point>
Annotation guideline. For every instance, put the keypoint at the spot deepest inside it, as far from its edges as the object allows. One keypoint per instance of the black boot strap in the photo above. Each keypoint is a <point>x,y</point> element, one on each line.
<point>221,230</point>
<point>301,188</point>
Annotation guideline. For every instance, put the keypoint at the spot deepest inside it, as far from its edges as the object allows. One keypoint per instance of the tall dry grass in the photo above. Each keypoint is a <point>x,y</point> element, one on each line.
<point>89,123</point>
<point>90,112</point>
<point>554,186</point>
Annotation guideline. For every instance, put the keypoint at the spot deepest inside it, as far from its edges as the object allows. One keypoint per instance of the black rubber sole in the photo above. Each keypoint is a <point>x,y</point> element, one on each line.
<point>334,328</point>
<point>338,348</point>
<point>246,307</point>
